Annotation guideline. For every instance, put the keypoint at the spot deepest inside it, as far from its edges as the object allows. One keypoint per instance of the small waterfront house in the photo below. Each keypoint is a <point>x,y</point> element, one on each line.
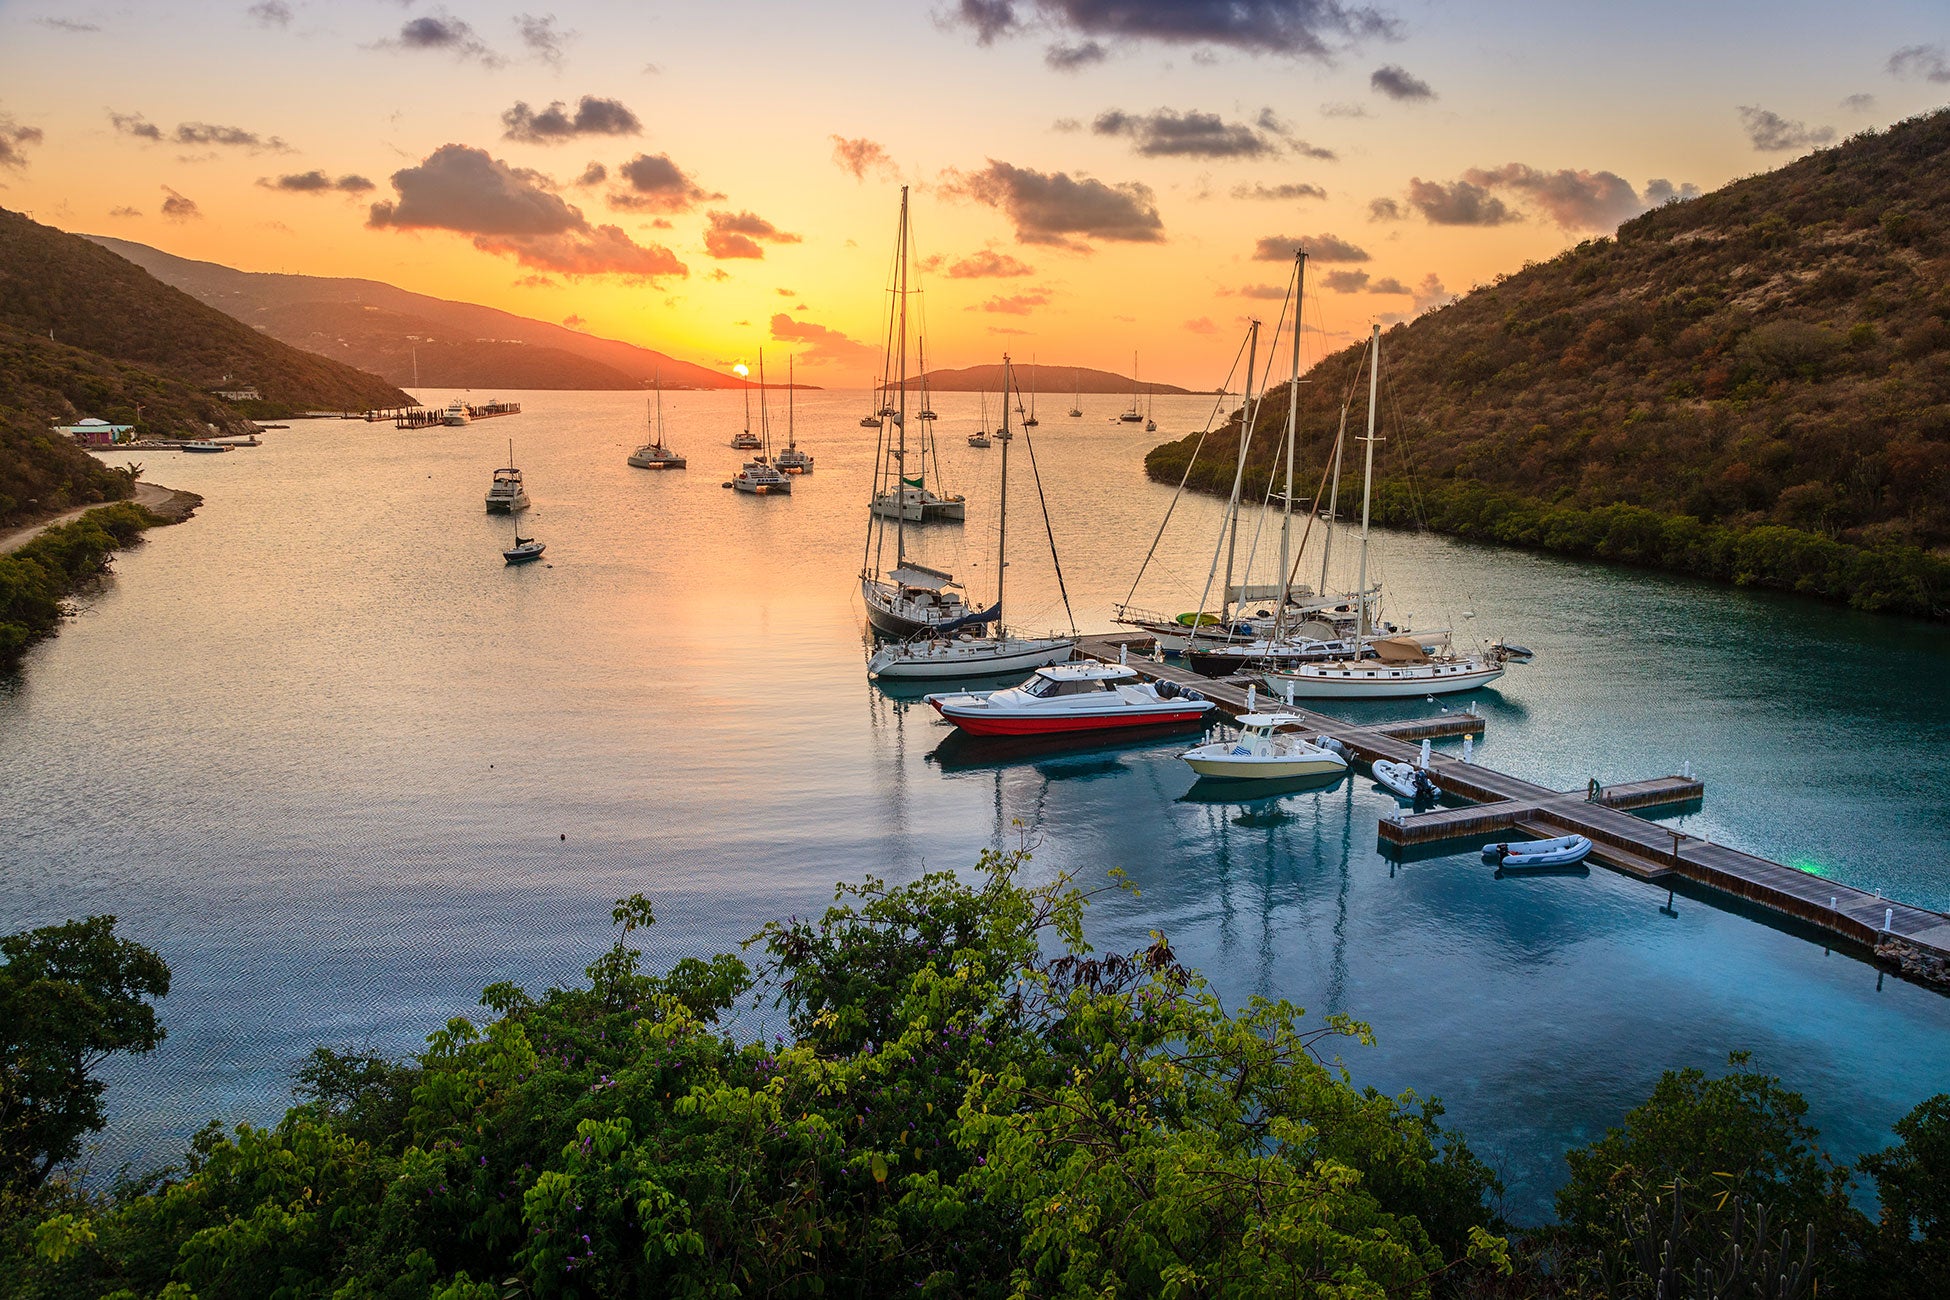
<point>97,433</point>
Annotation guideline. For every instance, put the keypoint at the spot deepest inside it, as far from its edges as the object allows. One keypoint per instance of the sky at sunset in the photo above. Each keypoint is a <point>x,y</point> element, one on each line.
<point>1091,177</point>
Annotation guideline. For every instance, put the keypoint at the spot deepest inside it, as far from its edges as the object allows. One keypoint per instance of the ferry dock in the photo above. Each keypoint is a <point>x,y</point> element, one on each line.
<point>1914,939</point>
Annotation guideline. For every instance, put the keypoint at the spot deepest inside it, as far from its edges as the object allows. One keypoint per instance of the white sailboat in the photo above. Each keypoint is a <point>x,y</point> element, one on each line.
<point>908,598</point>
<point>1132,416</point>
<point>791,460</point>
<point>745,439</point>
<point>936,657</point>
<point>1029,421</point>
<point>656,454</point>
<point>758,476</point>
<point>1389,667</point>
<point>1076,399</point>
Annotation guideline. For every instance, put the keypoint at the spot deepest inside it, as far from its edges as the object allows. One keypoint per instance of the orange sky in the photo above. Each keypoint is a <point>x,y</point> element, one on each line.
<point>1098,184</point>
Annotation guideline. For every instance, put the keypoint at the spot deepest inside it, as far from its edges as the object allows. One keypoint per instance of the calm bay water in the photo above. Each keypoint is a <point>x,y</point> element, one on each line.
<point>320,749</point>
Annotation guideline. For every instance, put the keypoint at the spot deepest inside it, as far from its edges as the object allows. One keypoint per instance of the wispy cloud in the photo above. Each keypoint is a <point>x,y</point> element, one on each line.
<point>988,264</point>
<point>594,115</point>
<point>14,140</point>
<point>858,157</point>
<point>1300,28</point>
<point>270,13</point>
<point>820,345</point>
<point>542,37</point>
<point>1291,192</point>
<point>179,207</point>
<point>317,182</point>
<point>1169,133</point>
<point>658,185</point>
<point>1019,304</point>
<point>1769,132</point>
<point>197,134</point>
<point>742,234</point>
<point>1398,84</point>
<point>1070,58</point>
<point>1319,248</point>
<point>1921,62</point>
<point>446,34</point>
<point>1057,208</point>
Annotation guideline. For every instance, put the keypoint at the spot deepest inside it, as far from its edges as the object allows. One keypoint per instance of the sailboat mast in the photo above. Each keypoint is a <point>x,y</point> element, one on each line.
<point>1367,489</point>
<point>764,420</point>
<point>1333,502</point>
<point>1238,476</point>
<point>660,406</point>
<point>791,430</point>
<point>1002,508</point>
<point>1292,422</point>
<point>900,414</point>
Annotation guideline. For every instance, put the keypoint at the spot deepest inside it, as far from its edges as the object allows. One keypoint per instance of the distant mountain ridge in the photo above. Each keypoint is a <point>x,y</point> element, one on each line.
<point>1033,378</point>
<point>380,328</point>
<point>1752,385</point>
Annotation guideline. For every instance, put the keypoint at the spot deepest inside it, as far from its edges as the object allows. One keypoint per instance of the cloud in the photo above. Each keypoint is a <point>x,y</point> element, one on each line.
<point>1299,28</point>
<point>594,174</point>
<point>1459,204</point>
<point>1020,304</point>
<point>542,37</point>
<point>1069,58</point>
<point>1389,284</point>
<point>1288,193</point>
<point>537,282</point>
<point>658,185</point>
<point>1387,210</point>
<point>1264,292</point>
<point>1858,104</point>
<point>742,234</point>
<point>179,208</point>
<point>446,33</point>
<point>1769,132</point>
<point>1398,84</point>
<point>1430,294</point>
<point>821,346</point>
<point>197,134</point>
<point>1346,281</point>
<point>125,212</point>
<point>1203,325</point>
<point>1050,207</point>
<point>1005,329</point>
<point>316,182</point>
<point>1344,109</point>
<point>554,124</point>
<point>1927,62</point>
<point>1320,248</point>
<point>67,25</point>
<point>574,321</point>
<point>1168,133</point>
<point>507,212</point>
<point>1575,200</point>
<point>988,264</point>
<point>858,157</point>
<point>271,13</point>
<point>14,139</point>
<point>1661,191</point>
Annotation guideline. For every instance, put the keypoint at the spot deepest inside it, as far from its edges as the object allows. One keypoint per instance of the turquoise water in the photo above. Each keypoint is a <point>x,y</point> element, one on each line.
<point>342,769</point>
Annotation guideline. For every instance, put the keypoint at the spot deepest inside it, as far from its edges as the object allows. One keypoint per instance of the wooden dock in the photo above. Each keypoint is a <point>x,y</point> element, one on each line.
<point>1502,803</point>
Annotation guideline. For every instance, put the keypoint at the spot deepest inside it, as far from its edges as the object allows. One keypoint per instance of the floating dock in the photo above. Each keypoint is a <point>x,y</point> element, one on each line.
<point>1500,802</point>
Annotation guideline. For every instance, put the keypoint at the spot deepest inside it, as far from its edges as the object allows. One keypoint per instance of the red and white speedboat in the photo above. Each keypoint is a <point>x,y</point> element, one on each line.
<point>1072,697</point>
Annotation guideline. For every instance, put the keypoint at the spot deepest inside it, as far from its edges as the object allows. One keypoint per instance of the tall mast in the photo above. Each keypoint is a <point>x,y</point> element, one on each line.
<point>1333,502</point>
<point>747,378</point>
<point>660,406</point>
<point>764,420</point>
<point>1367,490</point>
<point>900,414</point>
<point>1002,509</point>
<point>1292,421</point>
<point>791,432</point>
<point>1246,413</point>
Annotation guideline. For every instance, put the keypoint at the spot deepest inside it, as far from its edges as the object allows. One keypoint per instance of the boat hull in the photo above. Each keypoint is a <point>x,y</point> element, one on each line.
<point>522,555</point>
<point>988,722</point>
<point>1015,656</point>
<point>1252,768</point>
<point>506,505</point>
<point>1367,684</point>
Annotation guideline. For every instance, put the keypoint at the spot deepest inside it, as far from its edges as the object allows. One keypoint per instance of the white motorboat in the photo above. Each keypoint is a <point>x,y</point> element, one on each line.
<point>936,657</point>
<point>506,495</point>
<point>1071,698</point>
<point>457,414</point>
<point>1405,780</point>
<point>203,445</point>
<point>655,454</point>
<point>1560,852</point>
<point>1269,747</point>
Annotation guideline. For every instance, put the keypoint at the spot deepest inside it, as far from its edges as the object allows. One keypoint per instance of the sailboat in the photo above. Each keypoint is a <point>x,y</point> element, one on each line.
<point>524,548</point>
<point>1386,667</point>
<point>746,440</point>
<point>1029,421</point>
<point>980,438</point>
<point>1076,400</point>
<point>1132,416</point>
<point>758,476</point>
<point>872,420</point>
<point>939,657</point>
<point>911,497</point>
<point>791,460</point>
<point>1150,425</point>
<point>909,597</point>
<point>656,454</point>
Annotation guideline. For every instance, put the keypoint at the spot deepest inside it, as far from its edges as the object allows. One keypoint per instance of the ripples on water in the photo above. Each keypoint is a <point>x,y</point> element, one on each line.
<point>342,769</point>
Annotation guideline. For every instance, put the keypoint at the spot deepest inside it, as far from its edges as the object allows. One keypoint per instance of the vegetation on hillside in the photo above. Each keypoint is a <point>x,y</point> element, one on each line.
<point>43,473</point>
<point>1752,385</point>
<point>36,580</point>
<point>102,304</point>
<point>963,1100</point>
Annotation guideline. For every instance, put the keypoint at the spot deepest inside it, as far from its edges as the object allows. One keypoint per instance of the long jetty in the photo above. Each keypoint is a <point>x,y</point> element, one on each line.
<point>1913,939</point>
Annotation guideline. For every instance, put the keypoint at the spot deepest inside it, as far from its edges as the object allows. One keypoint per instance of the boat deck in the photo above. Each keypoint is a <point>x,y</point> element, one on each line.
<point>1500,802</point>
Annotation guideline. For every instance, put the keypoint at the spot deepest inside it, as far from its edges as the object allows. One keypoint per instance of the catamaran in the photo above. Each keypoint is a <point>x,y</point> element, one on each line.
<point>967,655</point>
<point>656,454</point>
<point>909,598</point>
<point>758,476</point>
<point>791,460</point>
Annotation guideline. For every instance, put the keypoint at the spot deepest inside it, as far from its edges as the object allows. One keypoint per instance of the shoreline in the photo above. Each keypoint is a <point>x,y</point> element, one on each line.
<point>173,504</point>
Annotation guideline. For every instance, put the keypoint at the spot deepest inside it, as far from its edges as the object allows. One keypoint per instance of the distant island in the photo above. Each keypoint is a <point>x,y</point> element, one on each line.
<point>1749,386</point>
<point>1034,378</point>
<point>413,339</point>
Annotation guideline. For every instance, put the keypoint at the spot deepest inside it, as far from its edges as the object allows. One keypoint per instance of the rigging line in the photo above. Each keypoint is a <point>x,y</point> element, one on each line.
<point>1231,526</point>
<point>1049,529</point>
<point>1407,457</point>
<point>1279,450</point>
<point>1218,401</point>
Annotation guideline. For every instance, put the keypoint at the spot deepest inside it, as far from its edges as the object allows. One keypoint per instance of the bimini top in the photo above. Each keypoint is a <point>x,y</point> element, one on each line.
<point>920,575</point>
<point>1270,721</point>
<point>1088,672</point>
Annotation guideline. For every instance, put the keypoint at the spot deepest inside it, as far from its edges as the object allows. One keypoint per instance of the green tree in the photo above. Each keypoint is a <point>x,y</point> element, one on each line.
<point>1909,1254</point>
<point>71,996</point>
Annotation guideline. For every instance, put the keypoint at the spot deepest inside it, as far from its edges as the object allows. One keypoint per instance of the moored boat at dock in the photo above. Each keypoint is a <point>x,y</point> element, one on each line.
<point>1269,747</point>
<point>1072,697</point>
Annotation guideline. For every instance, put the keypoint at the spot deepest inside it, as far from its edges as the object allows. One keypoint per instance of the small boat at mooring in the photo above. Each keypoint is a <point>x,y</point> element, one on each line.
<point>1560,852</point>
<point>1405,780</point>
<point>1269,747</point>
<point>1072,697</point>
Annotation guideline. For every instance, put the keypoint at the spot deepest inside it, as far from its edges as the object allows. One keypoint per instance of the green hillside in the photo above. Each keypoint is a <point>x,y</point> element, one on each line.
<point>1753,385</point>
<point>89,298</point>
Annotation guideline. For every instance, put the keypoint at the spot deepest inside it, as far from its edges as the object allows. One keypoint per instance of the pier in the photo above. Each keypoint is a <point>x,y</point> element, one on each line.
<point>1915,939</point>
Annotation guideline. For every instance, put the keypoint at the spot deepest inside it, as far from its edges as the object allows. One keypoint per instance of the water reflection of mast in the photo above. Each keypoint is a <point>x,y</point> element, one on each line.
<point>1337,966</point>
<point>879,707</point>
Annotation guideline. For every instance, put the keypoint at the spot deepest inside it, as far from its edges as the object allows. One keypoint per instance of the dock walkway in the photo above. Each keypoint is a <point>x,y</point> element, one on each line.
<point>1500,802</point>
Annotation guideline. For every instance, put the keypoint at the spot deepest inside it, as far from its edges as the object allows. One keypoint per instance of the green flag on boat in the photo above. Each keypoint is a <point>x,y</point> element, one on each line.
<point>912,482</point>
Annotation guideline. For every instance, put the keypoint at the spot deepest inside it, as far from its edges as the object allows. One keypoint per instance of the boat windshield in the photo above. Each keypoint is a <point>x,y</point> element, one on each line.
<point>1045,687</point>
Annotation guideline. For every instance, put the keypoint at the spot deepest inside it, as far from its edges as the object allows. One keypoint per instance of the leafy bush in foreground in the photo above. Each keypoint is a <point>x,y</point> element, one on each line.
<point>35,579</point>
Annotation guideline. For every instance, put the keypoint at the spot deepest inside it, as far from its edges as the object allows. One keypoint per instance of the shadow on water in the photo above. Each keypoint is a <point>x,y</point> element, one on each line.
<point>961,752</point>
<point>1253,797</point>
